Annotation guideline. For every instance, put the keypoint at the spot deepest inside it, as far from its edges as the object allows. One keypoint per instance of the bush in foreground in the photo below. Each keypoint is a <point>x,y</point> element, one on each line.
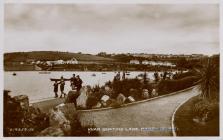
<point>205,110</point>
<point>168,86</point>
<point>185,115</point>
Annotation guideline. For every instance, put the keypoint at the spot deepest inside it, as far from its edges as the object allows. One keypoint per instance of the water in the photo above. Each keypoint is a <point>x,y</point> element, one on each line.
<point>38,86</point>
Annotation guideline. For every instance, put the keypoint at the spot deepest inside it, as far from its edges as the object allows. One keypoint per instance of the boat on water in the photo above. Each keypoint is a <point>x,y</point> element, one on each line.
<point>141,75</point>
<point>14,74</point>
<point>44,72</point>
<point>93,74</point>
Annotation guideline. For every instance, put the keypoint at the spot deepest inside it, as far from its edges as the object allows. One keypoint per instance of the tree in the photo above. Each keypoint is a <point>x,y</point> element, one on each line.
<point>182,62</point>
<point>209,83</point>
<point>102,54</point>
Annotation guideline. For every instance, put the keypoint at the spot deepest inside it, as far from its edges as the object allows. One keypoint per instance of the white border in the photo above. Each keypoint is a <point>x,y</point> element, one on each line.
<point>1,62</point>
<point>221,66</point>
<point>119,1</point>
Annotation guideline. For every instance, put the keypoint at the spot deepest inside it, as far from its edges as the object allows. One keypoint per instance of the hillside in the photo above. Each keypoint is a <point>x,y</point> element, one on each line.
<point>51,55</point>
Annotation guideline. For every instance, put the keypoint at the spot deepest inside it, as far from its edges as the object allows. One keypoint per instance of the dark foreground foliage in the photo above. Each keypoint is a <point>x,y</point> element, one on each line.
<point>197,109</point>
<point>22,120</point>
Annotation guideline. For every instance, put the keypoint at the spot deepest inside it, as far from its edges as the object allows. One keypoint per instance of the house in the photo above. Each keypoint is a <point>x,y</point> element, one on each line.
<point>72,61</point>
<point>59,62</point>
<point>153,63</point>
<point>145,62</point>
<point>134,62</point>
<point>49,63</point>
<point>38,62</point>
<point>30,61</point>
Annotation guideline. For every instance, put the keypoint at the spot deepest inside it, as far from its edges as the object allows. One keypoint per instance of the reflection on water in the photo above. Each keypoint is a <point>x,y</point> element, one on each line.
<point>38,86</point>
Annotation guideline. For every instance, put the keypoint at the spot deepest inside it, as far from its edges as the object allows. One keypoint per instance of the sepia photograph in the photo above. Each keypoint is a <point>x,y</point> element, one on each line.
<point>96,70</point>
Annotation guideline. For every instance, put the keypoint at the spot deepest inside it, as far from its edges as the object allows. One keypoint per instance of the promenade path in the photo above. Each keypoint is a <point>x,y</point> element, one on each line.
<point>154,114</point>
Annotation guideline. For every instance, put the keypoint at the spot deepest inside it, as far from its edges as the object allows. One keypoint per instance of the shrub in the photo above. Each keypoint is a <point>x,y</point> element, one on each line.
<point>91,101</point>
<point>15,116</point>
<point>183,75</point>
<point>115,104</point>
<point>124,86</point>
<point>205,109</point>
<point>168,86</point>
<point>135,93</point>
<point>78,130</point>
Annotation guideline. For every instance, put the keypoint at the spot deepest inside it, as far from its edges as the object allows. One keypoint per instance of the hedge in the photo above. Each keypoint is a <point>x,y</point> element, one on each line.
<point>168,86</point>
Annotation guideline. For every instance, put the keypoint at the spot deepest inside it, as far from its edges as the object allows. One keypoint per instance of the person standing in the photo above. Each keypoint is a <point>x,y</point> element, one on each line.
<point>73,82</point>
<point>123,75</point>
<point>118,76</point>
<point>78,83</point>
<point>164,75</point>
<point>56,88</point>
<point>62,84</point>
<point>156,76</point>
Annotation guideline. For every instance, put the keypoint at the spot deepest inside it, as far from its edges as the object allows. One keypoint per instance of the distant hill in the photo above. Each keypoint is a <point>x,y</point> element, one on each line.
<point>51,55</point>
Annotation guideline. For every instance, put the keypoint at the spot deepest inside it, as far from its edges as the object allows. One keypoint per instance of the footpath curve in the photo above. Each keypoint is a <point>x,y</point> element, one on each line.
<point>150,118</point>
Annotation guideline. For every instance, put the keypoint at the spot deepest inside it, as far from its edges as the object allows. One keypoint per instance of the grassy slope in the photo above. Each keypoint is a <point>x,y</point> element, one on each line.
<point>48,55</point>
<point>186,127</point>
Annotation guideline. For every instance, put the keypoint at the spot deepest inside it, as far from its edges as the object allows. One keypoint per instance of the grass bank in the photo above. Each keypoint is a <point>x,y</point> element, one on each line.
<point>185,126</point>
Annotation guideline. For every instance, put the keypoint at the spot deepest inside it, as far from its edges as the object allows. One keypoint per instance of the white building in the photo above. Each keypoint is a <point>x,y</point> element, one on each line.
<point>49,63</point>
<point>58,62</point>
<point>158,63</point>
<point>145,62</point>
<point>38,62</point>
<point>72,61</point>
<point>134,62</point>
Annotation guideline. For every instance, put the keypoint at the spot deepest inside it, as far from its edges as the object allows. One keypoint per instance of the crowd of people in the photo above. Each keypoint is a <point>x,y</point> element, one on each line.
<point>75,83</point>
<point>118,77</point>
<point>164,75</point>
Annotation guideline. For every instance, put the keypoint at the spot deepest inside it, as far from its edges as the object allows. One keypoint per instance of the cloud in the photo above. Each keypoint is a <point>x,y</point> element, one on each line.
<point>91,28</point>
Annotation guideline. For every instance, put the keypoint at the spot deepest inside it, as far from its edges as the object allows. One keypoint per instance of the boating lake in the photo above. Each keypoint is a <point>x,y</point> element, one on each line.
<point>38,86</point>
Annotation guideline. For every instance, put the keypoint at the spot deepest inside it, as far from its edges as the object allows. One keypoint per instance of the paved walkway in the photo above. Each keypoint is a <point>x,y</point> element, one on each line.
<point>155,114</point>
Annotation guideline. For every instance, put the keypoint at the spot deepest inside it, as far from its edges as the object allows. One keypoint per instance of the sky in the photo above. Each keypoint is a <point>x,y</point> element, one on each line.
<point>113,28</point>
